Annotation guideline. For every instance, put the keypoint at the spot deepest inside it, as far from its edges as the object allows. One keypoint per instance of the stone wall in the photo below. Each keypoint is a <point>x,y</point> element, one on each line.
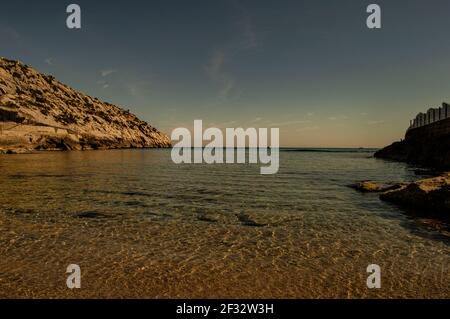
<point>428,146</point>
<point>432,130</point>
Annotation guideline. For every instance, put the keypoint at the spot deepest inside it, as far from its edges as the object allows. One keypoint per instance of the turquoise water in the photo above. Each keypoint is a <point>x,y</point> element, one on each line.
<point>141,226</point>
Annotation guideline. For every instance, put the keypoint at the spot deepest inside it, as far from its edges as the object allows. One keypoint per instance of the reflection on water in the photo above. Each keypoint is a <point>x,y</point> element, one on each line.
<point>140,226</point>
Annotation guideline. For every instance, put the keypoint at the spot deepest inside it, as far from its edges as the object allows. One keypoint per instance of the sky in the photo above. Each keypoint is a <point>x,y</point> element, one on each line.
<point>311,68</point>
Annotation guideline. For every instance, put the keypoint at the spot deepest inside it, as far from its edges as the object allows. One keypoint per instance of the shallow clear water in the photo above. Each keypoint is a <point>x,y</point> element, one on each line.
<point>141,226</point>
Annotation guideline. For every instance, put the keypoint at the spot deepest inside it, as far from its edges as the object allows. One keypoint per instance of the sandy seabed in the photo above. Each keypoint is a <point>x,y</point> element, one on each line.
<point>163,258</point>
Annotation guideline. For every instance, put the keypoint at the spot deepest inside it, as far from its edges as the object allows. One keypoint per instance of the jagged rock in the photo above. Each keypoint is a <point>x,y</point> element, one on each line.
<point>368,187</point>
<point>39,113</point>
<point>373,187</point>
<point>430,195</point>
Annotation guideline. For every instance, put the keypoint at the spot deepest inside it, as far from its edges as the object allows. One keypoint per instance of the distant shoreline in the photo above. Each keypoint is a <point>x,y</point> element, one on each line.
<point>19,151</point>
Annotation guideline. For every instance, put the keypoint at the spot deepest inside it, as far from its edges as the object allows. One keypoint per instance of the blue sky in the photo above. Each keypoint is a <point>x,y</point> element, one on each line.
<point>311,68</point>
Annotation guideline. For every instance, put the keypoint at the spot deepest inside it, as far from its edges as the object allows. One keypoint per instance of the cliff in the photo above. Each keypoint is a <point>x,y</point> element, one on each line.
<point>39,113</point>
<point>428,145</point>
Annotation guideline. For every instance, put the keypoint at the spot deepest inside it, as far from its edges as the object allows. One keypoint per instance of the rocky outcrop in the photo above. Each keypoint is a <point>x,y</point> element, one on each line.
<point>372,187</point>
<point>39,113</point>
<point>427,146</point>
<point>430,196</point>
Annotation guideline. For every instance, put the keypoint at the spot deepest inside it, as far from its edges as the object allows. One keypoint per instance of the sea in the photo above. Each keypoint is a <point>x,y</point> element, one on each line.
<point>140,226</point>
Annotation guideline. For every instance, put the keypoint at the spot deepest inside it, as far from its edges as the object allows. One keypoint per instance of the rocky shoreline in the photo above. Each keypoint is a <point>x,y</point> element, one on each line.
<point>427,197</point>
<point>38,113</point>
<point>427,146</point>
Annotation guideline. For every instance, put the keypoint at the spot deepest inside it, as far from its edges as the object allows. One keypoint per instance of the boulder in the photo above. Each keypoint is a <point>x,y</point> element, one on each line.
<point>368,187</point>
<point>373,187</point>
<point>431,196</point>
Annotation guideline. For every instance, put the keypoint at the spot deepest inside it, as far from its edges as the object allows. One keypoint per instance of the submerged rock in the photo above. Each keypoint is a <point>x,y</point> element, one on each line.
<point>368,187</point>
<point>373,187</point>
<point>245,220</point>
<point>91,215</point>
<point>428,198</point>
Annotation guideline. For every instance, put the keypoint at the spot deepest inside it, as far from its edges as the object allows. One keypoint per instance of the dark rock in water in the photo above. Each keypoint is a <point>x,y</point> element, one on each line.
<point>247,221</point>
<point>373,187</point>
<point>91,215</point>
<point>427,197</point>
<point>431,196</point>
<point>23,211</point>
<point>205,218</point>
<point>428,146</point>
<point>426,172</point>
<point>368,187</point>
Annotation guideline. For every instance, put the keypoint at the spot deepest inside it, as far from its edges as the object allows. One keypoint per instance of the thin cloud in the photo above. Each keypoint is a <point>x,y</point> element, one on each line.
<point>225,90</point>
<point>103,84</point>
<point>245,24</point>
<point>138,87</point>
<point>215,67</point>
<point>49,61</point>
<point>287,123</point>
<point>335,118</point>
<point>230,123</point>
<point>308,128</point>
<point>133,90</point>
<point>105,73</point>
<point>250,38</point>
<point>215,70</point>
<point>376,122</point>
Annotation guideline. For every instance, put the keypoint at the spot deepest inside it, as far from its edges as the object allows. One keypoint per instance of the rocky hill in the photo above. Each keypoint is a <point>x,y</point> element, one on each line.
<point>39,113</point>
